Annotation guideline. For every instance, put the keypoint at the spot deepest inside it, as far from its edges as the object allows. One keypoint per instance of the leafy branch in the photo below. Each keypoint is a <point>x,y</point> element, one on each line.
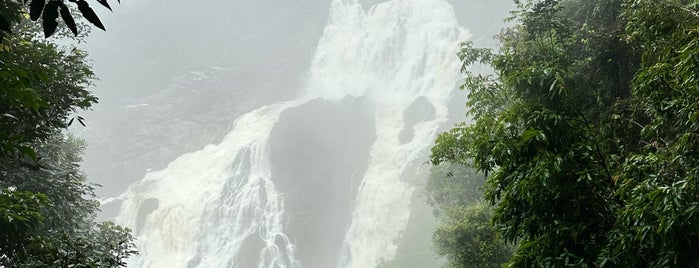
<point>49,11</point>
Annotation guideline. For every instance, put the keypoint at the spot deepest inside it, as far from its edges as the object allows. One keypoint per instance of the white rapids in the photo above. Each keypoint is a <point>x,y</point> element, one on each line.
<point>208,203</point>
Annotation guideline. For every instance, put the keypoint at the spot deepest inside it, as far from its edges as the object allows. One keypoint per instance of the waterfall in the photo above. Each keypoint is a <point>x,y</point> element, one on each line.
<point>219,207</point>
<point>209,202</point>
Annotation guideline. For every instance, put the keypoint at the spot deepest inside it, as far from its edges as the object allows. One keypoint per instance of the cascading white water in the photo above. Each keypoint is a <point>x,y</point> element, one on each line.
<point>394,53</point>
<point>211,203</point>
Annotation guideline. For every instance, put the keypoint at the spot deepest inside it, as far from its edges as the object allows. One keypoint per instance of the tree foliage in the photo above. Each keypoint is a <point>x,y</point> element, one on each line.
<point>42,86</point>
<point>464,234</point>
<point>588,131</point>
<point>467,239</point>
<point>48,209</point>
<point>63,231</point>
<point>453,184</point>
<point>658,182</point>
<point>21,217</point>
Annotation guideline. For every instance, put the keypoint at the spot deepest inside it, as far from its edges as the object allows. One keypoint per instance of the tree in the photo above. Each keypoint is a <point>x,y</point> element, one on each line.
<point>468,240</point>
<point>452,184</point>
<point>48,210</point>
<point>586,131</point>
<point>21,217</point>
<point>534,135</point>
<point>658,182</point>
<point>67,234</point>
<point>464,234</point>
<point>42,86</point>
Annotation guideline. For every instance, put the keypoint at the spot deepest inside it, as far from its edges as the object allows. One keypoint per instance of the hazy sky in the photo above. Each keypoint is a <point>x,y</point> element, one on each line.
<point>149,42</point>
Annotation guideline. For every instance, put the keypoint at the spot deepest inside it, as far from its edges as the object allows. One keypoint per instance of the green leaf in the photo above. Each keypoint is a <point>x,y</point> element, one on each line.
<point>9,116</point>
<point>28,151</point>
<point>27,97</point>
<point>530,134</point>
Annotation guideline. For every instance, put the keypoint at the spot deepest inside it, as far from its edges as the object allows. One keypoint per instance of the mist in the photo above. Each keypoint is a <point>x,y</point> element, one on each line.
<point>276,133</point>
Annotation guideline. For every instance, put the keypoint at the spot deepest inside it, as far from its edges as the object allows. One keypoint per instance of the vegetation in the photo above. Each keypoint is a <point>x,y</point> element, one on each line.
<point>467,239</point>
<point>463,233</point>
<point>587,131</point>
<point>47,210</point>
<point>13,12</point>
<point>42,86</point>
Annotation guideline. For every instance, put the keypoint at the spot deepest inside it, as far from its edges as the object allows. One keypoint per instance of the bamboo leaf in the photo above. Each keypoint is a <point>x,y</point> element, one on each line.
<point>49,18</point>
<point>35,8</point>
<point>89,14</point>
<point>68,19</point>
<point>105,4</point>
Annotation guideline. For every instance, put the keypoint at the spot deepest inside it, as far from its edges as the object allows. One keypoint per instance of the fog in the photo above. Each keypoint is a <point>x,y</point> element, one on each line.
<point>276,133</point>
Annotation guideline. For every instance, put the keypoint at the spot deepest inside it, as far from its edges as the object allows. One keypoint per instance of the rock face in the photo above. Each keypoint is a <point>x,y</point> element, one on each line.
<point>319,155</point>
